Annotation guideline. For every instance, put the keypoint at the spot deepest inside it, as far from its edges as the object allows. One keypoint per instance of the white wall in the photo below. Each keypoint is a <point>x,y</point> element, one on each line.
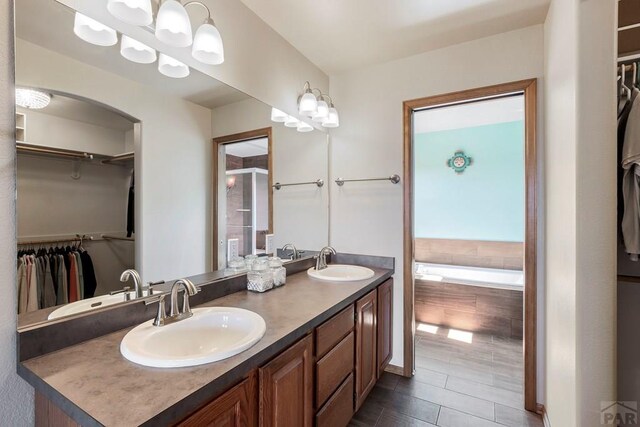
<point>580,241</point>
<point>16,404</point>
<point>172,163</point>
<point>300,214</point>
<point>367,217</point>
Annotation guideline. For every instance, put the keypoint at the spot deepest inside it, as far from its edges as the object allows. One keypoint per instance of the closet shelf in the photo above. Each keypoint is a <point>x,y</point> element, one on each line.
<point>120,158</point>
<point>43,150</point>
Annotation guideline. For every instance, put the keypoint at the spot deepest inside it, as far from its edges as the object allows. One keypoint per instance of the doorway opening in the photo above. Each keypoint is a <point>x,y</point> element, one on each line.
<point>242,183</point>
<point>470,240</point>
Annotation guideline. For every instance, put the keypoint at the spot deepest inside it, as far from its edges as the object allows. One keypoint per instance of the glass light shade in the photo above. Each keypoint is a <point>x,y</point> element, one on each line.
<point>333,120</point>
<point>31,98</point>
<point>322,112</point>
<point>291,122</point>
<point>134,12</point>
<point>173,26</point>
<point>171,67</point>
<point>93,32</point>
<point>304,127</point>
<point>308,104</point>
<point>207,45</point>
<point>278,116</point>
<point>135,51</point>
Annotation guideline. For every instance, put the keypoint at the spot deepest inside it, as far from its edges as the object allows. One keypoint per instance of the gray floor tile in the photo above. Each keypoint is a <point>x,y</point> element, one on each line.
<point>405,404</point>
<point>516,417</point>
<point>452,418</point>
<point>368,415</point>
<point>388,380</point>
<point>483,391</point>
<point>391,418</point>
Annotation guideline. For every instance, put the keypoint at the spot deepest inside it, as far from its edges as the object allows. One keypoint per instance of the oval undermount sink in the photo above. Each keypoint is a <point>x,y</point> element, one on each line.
<point>88,305</point>
<point>211,334</point>
<point>341,273</point>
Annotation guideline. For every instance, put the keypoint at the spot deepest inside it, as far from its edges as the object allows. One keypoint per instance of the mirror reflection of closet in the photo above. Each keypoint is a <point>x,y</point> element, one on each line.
<point>75,198</point>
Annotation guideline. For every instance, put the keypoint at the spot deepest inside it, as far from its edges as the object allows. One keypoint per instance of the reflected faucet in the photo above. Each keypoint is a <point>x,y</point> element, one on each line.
<point>295,255</point>
<point>321,258</point>
<point>137,281</point>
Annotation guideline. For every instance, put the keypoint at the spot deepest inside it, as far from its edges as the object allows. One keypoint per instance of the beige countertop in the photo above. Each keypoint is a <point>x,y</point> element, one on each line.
<point>94,384</point>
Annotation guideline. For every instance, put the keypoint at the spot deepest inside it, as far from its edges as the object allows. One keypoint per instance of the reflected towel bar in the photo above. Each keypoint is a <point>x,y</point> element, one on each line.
<point>318,182</point>
<point>393,178</point>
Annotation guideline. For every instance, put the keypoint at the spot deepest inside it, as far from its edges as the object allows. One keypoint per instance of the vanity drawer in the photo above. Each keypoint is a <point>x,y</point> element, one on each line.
<point>337,412</point>
<point>333,368</point>
<point>333,330</point>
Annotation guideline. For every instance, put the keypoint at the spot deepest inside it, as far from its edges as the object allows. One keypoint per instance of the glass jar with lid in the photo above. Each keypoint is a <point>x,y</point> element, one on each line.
<point>236,265</point>
<point>260,277</point>
<point>279,272</point>
<point>249,260</point>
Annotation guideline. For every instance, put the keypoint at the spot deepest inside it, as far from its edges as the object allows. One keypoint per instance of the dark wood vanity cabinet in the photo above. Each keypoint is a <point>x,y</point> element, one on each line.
<point>286,387</point>
<point>366,346</point>
<point>237,407</point>
<point>385,325</point>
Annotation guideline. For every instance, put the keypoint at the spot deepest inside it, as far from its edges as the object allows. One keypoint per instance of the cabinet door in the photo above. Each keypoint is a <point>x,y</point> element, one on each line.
<point>366,349</point>
<point>235,408</point>
<point>286,387</point>
<point>385,325</point>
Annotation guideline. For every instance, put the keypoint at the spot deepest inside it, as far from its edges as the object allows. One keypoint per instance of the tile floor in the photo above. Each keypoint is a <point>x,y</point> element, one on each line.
<point>457,384</point>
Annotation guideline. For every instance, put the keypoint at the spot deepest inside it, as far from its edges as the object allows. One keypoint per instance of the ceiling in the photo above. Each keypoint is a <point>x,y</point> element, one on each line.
<point>50,25</point>
<point>251,148</point>
<point>470,114</point>
<point>339,35</point>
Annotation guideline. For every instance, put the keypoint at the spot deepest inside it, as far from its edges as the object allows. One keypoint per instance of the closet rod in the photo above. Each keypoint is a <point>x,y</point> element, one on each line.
<point>30,148</point>
<point>110,237</point>
<point>629,57</point>
<point>77,237</point>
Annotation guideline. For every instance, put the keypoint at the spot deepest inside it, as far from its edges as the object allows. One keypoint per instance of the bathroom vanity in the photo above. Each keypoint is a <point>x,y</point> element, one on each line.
<point>325,346</point>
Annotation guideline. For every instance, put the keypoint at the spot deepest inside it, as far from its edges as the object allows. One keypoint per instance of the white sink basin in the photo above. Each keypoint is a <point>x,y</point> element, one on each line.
<point>341,273</point>
<point>212,334</point>
<point>88,305</point>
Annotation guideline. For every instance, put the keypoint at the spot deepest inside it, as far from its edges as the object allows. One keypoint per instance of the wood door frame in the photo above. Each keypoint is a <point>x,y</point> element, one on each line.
<point>230,139</point>
<point>529,89</point>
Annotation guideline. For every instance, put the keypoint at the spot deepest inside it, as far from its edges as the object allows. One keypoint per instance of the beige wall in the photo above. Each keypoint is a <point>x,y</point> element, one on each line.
<point>580,213</point>
<point>367,217</point>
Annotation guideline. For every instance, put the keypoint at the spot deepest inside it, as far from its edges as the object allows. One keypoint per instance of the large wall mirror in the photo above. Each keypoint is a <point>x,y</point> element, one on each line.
<point>121,166</point>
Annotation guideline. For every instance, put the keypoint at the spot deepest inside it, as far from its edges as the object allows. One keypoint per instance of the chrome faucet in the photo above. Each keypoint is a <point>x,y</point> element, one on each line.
<point>321,258</point>
<point>175,314</point>
<point>295,255</point>
<point>137,281</point>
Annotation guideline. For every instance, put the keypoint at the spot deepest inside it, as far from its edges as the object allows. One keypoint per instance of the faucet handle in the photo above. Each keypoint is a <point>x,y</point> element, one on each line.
<point>150,286</point>
<point>126,291</point>
<point>162,312</point>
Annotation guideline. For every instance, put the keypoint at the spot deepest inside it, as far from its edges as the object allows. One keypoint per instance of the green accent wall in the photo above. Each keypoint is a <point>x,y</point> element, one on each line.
<point>486,201</point>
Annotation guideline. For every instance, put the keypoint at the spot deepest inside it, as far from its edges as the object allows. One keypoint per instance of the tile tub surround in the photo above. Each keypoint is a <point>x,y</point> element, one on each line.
<point>471,253</point>
<point>95,385</point>
<point>471,308</point>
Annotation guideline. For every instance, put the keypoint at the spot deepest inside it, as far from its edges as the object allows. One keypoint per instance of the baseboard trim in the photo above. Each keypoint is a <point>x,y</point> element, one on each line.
<point>540,409</point>
<point>397,370</point>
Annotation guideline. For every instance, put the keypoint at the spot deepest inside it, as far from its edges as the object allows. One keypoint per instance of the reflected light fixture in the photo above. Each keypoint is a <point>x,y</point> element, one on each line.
<point>207,43</point>
<point>173,26</point>
<point>134,12</point>
<point>308,103</point>
<point>31,98</point>
<point>291,122</point>
<point>93,32</point>
<point>322,111</point>
<point>171,67</point>
<point>304,127</point>
<point>278,116</point>
<point>333,119</point>
<point>135,51</point>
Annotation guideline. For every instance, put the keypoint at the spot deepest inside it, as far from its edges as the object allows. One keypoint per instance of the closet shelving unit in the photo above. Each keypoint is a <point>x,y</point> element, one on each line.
<point>125,159</point>
<point>21,127</point>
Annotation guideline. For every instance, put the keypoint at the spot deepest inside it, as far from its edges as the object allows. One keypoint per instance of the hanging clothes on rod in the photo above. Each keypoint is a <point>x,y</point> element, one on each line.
<point>52,276</point>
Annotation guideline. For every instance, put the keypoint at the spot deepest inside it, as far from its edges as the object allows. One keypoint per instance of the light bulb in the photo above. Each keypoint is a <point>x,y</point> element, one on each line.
<point>134,12</point>
<point>93,32</point>
<point>135,51</point>
<point>207,45</point>
<point>332,120</point>
<point>173,26</point>
<point>308,104</point>
<point>171,67</point>
<point>322,113</point>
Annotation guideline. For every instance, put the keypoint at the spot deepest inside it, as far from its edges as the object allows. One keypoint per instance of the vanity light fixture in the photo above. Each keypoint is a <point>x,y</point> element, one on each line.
<point>173,26</point>
<point>171,67</point>
<point>93,32</point>
<point>304,127</point>
<point>207,43</point>
<point>134,12</point>
<point>291,122</point>
<point>31,98</point>
<point>278,116</point>
<point>322,111</point>
<point>333,119</point>
<point>308,103</point>
<point>135,51</point>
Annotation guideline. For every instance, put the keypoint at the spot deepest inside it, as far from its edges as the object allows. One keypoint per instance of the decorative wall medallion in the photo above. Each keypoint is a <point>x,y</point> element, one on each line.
<point>459,162</point>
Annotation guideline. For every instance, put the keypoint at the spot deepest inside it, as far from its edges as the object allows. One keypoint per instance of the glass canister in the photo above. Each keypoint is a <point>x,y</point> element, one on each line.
<point>249,260</point>
<point>278,271</point>
<point>260,277</point>
<point>236,265</point>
